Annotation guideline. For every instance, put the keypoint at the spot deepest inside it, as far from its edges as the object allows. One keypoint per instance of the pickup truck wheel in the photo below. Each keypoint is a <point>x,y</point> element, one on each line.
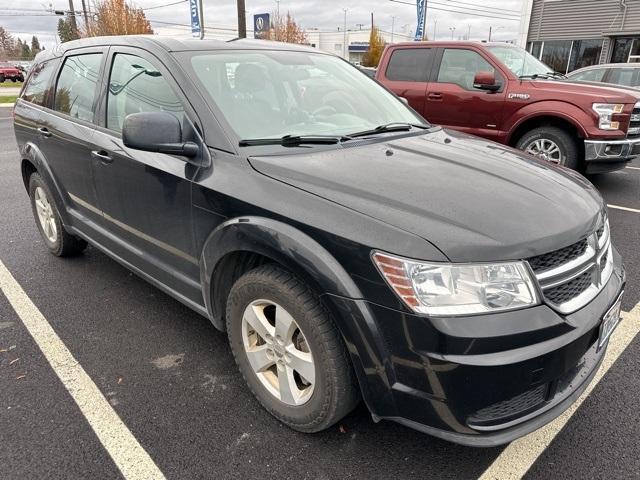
<point>552,144</point>
<point>56,238</point>
<point>288,350</point>
<point>1,78</point>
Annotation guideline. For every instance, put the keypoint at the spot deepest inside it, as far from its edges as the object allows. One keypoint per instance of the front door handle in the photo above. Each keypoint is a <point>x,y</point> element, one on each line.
<point>434,96</point>
<point>102,156</point>
<point>44,131</point>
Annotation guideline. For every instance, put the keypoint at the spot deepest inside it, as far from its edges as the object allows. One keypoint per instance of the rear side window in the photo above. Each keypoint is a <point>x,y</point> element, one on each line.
<point>623,76</point>
<point>409,65</point>
<point>593,75</point>
<point>38,87</point>
<point>135,86</point>
<point>77,85</point>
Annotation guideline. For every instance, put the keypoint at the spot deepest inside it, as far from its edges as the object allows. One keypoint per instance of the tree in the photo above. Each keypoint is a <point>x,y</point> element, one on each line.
<point>376,46</point>
<point>7,44</point>
<point>117,17</point>
<point>285,29</point>
<point>35,46</point>
<point>66,31</point>
<point>25,51</point>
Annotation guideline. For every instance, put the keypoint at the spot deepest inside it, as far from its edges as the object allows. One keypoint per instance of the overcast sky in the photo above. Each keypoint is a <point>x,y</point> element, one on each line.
<point>31,17</point>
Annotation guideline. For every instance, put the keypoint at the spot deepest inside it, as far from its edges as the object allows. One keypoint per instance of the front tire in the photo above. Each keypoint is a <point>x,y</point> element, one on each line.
<point>58,241</point>
<point>288,350</point>
<point>552,144</point>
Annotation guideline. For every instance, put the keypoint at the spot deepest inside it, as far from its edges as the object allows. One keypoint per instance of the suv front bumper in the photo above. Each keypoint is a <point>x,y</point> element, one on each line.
<point>481,381</point>
<point>608,155</point>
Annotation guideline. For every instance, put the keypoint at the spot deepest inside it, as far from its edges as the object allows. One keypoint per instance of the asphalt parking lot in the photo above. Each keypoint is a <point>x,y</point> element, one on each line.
<point>170,378</point>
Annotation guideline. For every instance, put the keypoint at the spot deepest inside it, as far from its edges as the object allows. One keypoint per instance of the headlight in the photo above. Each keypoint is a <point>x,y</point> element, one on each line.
<point>458,289</point>
<point>606,111</point>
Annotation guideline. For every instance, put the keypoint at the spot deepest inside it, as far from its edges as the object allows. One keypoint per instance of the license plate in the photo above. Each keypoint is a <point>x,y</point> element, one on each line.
<point>609,322</point>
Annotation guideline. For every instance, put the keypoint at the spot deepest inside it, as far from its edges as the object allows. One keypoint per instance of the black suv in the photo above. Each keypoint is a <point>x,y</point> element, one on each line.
<point>348,248</point>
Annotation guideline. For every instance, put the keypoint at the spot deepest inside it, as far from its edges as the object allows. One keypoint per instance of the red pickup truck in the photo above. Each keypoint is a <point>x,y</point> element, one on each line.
<point>10,72</point>
<point>502,93</point>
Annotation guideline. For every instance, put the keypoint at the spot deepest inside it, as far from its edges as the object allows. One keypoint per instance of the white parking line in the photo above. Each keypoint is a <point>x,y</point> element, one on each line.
<point>626,209</point>
<point>633,168</point>
<point>515,460</point>
<point>129,456</point>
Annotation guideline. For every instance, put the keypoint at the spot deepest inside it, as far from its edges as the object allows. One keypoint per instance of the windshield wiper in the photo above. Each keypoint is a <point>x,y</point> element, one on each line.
<point>534,76</point>
<point>389,127</point>
<point>295,140</point>
<point>557,75</point>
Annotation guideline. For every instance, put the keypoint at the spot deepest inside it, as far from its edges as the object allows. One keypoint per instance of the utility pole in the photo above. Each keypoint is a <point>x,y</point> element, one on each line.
<point>435,28</point>
<point>490,27</point>
<point>72,17</point>
<point>344,35</point>
<point>242,20</point>
<point>393,24</point>
<point>86,17</point>
<point>360,25</point>
<point>424,22</point>
<point>278,8</point>
<point>468,32</point>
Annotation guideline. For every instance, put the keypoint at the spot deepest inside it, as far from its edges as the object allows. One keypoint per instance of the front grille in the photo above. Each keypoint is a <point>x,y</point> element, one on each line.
<point>568,291</point>
<point>551,260</point>
<point>515,406</point>
<point>634,124</point>
<point>572,276</point>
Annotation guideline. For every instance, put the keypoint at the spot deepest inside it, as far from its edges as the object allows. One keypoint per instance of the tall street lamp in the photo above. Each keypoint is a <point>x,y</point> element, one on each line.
<point>453,29</point>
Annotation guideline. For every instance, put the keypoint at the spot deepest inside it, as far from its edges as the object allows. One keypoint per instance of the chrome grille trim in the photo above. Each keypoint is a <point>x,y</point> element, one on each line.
<point>598,248</point>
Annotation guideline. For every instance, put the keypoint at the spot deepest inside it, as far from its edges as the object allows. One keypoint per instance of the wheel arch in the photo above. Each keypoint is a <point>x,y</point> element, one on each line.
<point>545,119</point>
<point>33,161</point>
<point>241,244</point>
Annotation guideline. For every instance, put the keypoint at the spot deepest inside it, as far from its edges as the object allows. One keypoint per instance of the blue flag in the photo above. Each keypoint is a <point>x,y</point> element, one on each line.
<point>420,6</point>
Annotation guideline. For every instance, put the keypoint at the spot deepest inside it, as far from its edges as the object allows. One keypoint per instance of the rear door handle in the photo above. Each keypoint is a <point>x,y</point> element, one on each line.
<point>434,96</point>
<point>44,131</point>
<point>102,156</point>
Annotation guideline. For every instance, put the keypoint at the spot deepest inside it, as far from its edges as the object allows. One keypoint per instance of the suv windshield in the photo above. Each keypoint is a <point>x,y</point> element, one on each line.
<point>520,62</point>
<point>272,94</point>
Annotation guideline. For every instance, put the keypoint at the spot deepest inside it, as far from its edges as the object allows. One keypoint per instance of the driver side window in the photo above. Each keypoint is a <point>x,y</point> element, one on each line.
<point>460,66</point>
<point>135,86</point>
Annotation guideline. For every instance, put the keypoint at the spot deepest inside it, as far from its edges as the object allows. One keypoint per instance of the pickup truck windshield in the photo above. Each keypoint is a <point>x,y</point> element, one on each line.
<point>521,62</point>
<point>276,94</point>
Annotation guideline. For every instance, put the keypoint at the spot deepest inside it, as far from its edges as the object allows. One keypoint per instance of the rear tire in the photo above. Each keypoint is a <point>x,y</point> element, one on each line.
<point>259,304</point>
<point>58,241</point>
<point>1,78</point>
<point>552,144</point>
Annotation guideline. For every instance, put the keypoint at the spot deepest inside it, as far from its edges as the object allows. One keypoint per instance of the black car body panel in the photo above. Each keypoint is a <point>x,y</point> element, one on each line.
<point>190,227</point>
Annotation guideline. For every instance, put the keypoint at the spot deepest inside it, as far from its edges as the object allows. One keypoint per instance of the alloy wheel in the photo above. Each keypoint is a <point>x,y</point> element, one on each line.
<point>278,352</point>
<point>45,215</point>
<point>546,149</point>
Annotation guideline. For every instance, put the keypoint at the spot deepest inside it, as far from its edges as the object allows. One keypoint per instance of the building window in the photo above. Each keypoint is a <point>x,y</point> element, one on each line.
<point>585,53</point>
<point>534,49</point>
<point>621,50</point>
<point>556,54</point>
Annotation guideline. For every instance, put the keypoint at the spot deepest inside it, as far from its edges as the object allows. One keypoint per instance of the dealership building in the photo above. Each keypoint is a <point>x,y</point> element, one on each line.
<point>570,34</point>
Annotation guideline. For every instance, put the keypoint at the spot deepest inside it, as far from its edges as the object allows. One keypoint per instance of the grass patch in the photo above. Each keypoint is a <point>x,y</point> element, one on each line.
<point>8,98</point>
<point>10,84</point>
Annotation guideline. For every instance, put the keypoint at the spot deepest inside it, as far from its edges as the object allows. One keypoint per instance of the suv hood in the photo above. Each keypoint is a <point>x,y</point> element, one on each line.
<point>475,200</point>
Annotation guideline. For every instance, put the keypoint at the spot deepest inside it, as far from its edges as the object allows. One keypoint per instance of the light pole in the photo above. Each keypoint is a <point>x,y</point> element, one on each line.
<point>393,24</point>
<point>344,36</point>
<point>453,29</point>
<point>278,9</point>
<point>491,29</point>
<point>435,28</point>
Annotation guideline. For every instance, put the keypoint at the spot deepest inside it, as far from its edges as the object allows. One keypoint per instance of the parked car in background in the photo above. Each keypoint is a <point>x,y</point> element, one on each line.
<point>369,71</point>
<point>615,74</point>
<point>502,93</point>
<point>347,248</point>
<point>9,71</point>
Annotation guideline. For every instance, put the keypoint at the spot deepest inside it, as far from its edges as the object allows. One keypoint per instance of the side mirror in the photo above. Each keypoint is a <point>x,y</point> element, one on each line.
<point>404,100</point>
<point>159,132</point>
<point>486,81</point>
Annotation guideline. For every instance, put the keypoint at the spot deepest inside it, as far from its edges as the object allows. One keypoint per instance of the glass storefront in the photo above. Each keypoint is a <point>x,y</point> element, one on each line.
<point>565,56</point>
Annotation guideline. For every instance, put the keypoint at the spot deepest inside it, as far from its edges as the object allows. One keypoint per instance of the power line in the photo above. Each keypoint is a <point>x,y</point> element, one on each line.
<point>164,5</point>
<point>482,10</point>
<point>500,10</point>
<point>486,15</point>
